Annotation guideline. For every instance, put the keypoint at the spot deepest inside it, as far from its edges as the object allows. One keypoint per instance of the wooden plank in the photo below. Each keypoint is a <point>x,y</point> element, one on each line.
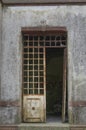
<point>64,86</point>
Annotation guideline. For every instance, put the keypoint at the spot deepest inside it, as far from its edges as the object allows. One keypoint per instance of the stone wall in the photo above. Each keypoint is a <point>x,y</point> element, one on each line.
<point>14,18</point>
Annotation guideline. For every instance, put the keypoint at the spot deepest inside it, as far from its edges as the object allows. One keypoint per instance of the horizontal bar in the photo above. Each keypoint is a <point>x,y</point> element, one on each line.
<point>34,76</point>
<point>44,41</point>
<point>33,82</point>
<point>33,59</point>
<point>33,53</point>
<point>34,70</point>
<point>60,46</point>
<point>44,30</point>
<point>33,88</point>
<point>32,64</point>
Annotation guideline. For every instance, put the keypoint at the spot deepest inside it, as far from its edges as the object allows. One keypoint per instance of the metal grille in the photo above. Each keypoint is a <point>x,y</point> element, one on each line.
<point>46,41</point>
<point>34,60</point>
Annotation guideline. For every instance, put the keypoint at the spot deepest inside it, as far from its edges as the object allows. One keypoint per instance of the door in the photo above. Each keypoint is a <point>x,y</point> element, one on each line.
<point>34,105</point>
<point>34,72</point>
<point>64,99</point>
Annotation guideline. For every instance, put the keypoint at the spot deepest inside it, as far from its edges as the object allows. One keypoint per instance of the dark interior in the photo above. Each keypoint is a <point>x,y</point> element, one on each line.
<point>54,81</point>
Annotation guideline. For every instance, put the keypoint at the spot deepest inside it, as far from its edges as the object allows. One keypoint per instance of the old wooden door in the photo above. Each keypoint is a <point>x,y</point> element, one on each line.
<point>34,105</point>
<point>64,99</point>
<point>34,70</point>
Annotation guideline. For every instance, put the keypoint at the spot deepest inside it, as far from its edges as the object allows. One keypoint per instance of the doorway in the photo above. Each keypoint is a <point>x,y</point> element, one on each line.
<point>54,83</point>
<point>44,76</point>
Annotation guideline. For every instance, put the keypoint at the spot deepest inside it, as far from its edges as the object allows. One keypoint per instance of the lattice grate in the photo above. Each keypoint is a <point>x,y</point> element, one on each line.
<point>34,60</point>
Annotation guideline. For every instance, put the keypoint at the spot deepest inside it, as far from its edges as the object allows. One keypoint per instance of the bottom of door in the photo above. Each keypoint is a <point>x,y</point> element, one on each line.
<point>33,108</point>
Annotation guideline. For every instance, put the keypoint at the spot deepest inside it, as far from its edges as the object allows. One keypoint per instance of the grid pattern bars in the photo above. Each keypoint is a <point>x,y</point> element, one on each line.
<point>33,69</point>
<point>46,41</point>
<point>34,60</point>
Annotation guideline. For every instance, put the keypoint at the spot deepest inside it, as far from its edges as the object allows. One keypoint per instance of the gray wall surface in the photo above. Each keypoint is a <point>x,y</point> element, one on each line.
<point>0,41</point>
<point>14,18</point>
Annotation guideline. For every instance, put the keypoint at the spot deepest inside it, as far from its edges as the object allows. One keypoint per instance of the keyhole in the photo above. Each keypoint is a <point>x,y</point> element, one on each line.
<point>33,108</point>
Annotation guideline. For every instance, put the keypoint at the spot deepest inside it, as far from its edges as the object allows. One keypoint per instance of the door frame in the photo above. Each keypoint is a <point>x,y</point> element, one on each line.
<point>43,30</point>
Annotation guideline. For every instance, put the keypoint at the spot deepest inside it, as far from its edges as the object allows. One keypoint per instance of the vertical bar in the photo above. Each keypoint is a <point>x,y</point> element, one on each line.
<point>33,65</point>
<point>64,85</point>
<point>38,69</point>
<point>44,63</point>
<point>28,63</point>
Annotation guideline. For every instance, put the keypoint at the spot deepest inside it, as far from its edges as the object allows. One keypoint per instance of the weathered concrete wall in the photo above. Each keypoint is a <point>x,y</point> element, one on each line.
<point>74,19</point>
<point>0,42</point>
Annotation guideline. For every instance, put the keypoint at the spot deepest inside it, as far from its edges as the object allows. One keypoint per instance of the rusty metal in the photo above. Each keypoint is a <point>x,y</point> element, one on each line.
<point>43,2</point>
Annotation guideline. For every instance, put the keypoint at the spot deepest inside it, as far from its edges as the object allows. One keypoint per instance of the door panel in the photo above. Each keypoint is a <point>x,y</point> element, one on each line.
<point>64,86</point>
<point>34,73</point>
<point>33,108</point>
<point>33,81</point>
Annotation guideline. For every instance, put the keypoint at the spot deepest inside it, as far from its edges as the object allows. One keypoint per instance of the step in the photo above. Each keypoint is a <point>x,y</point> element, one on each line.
<point>43,126</point>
